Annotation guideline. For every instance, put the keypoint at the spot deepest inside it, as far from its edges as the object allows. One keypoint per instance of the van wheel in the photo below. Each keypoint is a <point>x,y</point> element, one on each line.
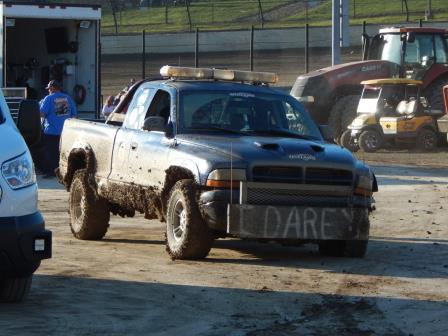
<point>187,235</point>
<point>89,213</point>
<point>348,142</point>
<point>426,140</point>
<point>370,141</point>
<point>14,289</point>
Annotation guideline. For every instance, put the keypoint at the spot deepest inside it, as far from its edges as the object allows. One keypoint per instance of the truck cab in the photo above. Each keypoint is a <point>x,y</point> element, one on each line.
<point>24,241</point>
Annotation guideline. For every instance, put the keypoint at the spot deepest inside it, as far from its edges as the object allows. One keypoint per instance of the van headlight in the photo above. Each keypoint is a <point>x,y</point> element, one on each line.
<point>19,172</point>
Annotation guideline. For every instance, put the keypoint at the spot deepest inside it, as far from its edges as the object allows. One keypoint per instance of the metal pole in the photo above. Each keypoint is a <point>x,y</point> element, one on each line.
<point>429,10</point>
<point>166,11</point>
<point>354,8</point>
<point>143,55</point>
<point>251,55</point>
<point>336,34</point>
<point>307,45</point>
<point>420,22</point>
<point>196,49</point>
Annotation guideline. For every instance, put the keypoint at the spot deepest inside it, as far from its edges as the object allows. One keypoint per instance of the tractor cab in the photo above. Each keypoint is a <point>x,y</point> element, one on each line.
<point>415,50</point>
<point>392,109</point>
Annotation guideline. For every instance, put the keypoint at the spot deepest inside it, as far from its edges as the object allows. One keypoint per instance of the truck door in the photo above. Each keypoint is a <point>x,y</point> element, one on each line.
<point>122,169</point>
<point>149,150</point>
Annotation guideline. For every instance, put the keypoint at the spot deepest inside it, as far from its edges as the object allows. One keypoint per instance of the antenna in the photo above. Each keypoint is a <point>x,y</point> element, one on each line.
<point>231,172</point>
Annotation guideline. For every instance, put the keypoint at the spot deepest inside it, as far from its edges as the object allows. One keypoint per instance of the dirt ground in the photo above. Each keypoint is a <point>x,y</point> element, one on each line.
<point>127,285</point>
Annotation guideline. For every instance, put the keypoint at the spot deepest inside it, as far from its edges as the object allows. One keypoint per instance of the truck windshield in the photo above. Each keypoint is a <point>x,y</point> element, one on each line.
<point>2,118</point>
<point>245,113</point>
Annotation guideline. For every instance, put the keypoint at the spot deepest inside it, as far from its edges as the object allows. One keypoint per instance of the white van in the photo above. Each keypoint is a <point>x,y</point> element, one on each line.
<point>24,242</point>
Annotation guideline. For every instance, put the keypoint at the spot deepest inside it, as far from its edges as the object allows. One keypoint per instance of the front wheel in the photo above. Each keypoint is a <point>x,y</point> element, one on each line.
<point>187,235</point>
<point>14,289</point>
<point>89,213</point>
<point>348,142</point>
<point>370,141</point>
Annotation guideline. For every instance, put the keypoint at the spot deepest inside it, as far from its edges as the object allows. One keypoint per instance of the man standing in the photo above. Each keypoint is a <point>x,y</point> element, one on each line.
<point>55,108</point>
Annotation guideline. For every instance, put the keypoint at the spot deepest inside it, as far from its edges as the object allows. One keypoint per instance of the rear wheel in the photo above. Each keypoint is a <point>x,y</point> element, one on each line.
<point>187,235</point>
<point>434,94</point>
<point>342,114</point>
<point>348,142</point>
<point>89,213</point>
<point>14,289</point>
<point>426,140</point>
<point>370,141</point>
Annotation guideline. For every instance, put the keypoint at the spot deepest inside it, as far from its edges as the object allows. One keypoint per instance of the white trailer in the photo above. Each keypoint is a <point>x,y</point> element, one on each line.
<point>42,41</point>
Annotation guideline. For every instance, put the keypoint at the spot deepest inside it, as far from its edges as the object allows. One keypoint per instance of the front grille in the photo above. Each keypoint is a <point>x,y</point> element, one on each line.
<point>299,175</point>
<point>324,176</point>
<point>266,196</point>
<point>278,174</point>
<point>261,193</point>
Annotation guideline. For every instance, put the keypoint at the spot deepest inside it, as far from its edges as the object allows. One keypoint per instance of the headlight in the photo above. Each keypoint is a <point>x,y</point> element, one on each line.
<point>226,178</point>
<point>19,172</point>
<point>364,186</point>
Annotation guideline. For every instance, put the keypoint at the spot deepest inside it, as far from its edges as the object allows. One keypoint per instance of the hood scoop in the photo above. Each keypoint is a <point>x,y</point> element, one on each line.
<point>267,146</point>
<point>317,148</point>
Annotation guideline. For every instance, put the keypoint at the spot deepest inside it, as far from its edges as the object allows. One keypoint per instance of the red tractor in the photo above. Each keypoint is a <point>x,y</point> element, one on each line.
<point>332,94</point>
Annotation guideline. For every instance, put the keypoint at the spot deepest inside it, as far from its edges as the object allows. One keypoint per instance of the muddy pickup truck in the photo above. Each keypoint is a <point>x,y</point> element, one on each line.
<point>216,153</point>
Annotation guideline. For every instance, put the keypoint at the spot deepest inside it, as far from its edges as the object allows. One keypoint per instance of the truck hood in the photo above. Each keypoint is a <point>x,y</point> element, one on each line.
<point>266,150</point>
<point>11,142</point>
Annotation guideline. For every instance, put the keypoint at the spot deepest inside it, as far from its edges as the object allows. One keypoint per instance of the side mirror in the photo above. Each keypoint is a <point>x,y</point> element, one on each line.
<point>327,133</point>
<point>157,124</point>
<point>28,121</point>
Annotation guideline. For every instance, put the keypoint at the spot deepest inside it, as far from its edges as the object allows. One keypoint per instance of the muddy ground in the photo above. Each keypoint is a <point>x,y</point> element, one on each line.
<point>127,285</point>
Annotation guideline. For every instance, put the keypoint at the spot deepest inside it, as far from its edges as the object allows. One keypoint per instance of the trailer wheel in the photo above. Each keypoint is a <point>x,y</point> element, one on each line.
<point>426,140</point>
<point>187,235</point>
<point>370,141</point>
<point>342,114</point>
<point>348,142</point>
<point>14,289</point>
<point>89,213</point>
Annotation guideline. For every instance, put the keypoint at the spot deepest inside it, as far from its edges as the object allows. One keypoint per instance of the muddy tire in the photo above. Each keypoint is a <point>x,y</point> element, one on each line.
<point>14,289</point>
<point>370,141</point>
<point>187,235</point>
<point>427,140</point>
<point>347,141</point>
<point>89,213</point>
<point>342,114</point>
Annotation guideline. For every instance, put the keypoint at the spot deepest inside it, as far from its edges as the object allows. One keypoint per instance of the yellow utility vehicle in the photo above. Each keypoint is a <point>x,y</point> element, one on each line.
<point>392,110</point>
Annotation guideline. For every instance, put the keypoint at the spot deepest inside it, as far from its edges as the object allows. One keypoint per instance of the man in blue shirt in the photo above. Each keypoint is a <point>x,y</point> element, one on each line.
<point>54,109</point>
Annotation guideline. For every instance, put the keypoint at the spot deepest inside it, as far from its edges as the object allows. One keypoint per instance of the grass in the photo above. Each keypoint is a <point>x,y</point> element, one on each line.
<point>233,14</point>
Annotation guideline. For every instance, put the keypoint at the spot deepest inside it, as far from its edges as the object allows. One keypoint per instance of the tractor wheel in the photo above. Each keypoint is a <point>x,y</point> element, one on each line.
<point>434,94</point>
<point>370,141</point>
<point>347,141</point>
<point>342,114</point>
<point>426,140</point>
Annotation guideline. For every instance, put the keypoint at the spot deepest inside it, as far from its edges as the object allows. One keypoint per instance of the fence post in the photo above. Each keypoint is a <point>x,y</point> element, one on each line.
<point>260,8</point>
<point>187,4</point>
<point>420,22</point>
<point>307,45</point>
<point>143,55</point>
<point>251,54</point>
<point>166,11</point>
<point>196,49</point>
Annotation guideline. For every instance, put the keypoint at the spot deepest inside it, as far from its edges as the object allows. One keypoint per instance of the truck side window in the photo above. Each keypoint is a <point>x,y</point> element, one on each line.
<point>139,105</point>
<point>160,105</point>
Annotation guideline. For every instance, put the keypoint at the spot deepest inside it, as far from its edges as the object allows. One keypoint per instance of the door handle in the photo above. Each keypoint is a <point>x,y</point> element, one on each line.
<point>134,145</point>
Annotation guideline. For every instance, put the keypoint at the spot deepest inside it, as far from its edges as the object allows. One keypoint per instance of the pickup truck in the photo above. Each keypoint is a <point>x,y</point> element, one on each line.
<point>216,153</point>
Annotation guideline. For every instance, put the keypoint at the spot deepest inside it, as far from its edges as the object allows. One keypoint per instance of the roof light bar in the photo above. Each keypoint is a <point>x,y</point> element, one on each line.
<point>218,74</point>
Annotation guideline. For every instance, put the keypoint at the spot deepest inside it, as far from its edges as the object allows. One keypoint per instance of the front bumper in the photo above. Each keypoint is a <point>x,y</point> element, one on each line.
<point>310,222</point>
<point>24,242</point>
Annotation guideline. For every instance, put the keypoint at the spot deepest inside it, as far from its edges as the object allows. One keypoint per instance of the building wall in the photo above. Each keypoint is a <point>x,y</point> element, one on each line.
<point>237,40</point>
